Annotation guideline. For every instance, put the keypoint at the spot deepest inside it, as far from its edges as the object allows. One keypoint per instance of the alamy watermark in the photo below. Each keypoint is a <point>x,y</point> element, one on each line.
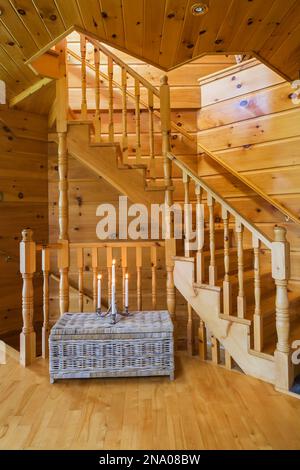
<point>295,96</point>
<point>2,352</point>
<point>136,222</point>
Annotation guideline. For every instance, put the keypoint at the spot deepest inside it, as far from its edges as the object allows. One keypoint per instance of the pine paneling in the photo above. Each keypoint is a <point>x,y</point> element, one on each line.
<point>23,203</point>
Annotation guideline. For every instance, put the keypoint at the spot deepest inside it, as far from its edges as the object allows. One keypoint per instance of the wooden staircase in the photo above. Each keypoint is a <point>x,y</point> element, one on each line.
<point>237,279</point>
<point>105,160</point>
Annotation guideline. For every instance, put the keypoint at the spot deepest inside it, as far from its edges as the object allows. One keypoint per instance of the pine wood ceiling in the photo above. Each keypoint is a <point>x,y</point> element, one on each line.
<point>162,32</point>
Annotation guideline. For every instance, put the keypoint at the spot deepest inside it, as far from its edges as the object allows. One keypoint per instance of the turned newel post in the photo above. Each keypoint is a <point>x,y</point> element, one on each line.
<point>281,273</point>
<point>46,326</point>
<point>165,113</point>
<point>27,269</point>
<point>63,266</point>
<point>63,203</point>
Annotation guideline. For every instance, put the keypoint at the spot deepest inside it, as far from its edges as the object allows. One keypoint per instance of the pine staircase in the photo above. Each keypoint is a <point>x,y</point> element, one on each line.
<point>236,281</point>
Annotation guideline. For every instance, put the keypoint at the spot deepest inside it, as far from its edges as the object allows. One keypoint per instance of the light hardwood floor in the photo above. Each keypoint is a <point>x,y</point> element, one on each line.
<point>206,407</point>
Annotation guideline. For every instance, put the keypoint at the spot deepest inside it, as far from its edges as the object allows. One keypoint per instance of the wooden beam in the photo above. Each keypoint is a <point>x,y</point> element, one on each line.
<point>47,65</point>
<point>29,91</point>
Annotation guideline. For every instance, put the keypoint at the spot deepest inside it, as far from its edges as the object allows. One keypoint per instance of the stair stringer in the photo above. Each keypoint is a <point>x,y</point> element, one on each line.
<point>233,335</point>
<point>103,159</point>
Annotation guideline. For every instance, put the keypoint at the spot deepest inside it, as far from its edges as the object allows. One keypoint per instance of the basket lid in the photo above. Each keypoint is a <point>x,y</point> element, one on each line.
<point>91,324</point>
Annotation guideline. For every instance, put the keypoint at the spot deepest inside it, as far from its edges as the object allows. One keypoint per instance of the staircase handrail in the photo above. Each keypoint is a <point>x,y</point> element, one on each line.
<point>217,197</point>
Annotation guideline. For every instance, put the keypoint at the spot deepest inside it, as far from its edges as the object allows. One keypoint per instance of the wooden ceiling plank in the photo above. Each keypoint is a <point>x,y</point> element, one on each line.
<point>217,33</point>
<point>286,55</point>
<point>10,82</point>
<point>172,27</point>
<point>254,15</point>
<point>12,68</point>
<point>269,23</point>
<point>50,16</point>
<point>32,21</point>
<point>154,11</point>
<point>11,21</point>
<point>290,21</point>
<point>113,22</point>
<point>69,13</point>
<point>92,17</point>
<point>133,16</point>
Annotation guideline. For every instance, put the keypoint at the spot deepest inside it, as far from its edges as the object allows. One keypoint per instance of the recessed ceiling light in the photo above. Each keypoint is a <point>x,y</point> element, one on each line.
<point>199,9</point>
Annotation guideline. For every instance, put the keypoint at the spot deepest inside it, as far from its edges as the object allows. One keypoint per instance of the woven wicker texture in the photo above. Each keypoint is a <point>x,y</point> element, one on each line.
<point>84,345</point>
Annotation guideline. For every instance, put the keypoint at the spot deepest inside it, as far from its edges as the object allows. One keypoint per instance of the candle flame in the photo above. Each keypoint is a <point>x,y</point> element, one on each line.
<point>113,261</point>
<point>126,276</point>
<point>99,277</point>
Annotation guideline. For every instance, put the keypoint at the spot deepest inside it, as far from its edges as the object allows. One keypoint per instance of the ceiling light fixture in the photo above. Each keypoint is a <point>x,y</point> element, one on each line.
<point>199,9</point>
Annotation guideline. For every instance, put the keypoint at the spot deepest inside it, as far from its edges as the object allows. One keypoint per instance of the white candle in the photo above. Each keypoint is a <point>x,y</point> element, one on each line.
<point>126,291</point>
<point>99,277</point>
<point>113,287</point>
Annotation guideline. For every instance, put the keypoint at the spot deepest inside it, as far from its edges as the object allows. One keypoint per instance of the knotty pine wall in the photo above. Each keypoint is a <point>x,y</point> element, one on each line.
<point>23,203</point>
<point>248,119</point>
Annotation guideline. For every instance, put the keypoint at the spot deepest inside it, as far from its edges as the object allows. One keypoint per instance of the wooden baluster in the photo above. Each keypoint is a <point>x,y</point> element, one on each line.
<point>258,321</point>
<point>202,341</point>
<point>109,268</point>
<point>187,220</point>
<point>97,120</point>
<point>83,78</point>
<point>153,275</point>
<point>200,234</point>
<point>152,169</point>
<point>45,328</point>
<point>227,298</point>
<point>62,90</point>
<point>229,362</point>
<point>63,265</point>
<point>137,121</point>
<point>80,263</point>
<point>27,269</point>
<point>170,243</point>
<point>124,117</point>
<point>281,273</point>
<point>124,269</point>
<point>190,331</point>
<point>215,350</point>
<point>63,201</point>
<point>212,265</point>
<point>241,299</point>
<point>110,99</point>
<point>139,263</point>
<point>95,274</point>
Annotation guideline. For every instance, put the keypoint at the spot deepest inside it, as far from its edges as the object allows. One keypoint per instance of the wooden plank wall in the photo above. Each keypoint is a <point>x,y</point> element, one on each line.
<point>248,118</point>
<point>23,203</point>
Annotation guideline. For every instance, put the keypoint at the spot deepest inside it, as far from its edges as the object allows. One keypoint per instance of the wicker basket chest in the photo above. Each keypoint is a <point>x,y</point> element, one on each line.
<point>82,345</point>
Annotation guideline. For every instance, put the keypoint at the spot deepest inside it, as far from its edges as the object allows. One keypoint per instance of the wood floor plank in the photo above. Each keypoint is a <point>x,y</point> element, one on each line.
<point>206,407</point>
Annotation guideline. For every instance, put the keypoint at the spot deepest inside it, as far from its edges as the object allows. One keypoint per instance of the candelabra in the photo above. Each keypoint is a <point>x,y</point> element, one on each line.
<point>113,313</point>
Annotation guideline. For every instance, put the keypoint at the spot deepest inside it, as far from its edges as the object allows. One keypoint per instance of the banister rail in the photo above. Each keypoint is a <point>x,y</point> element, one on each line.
<point>217,197</point>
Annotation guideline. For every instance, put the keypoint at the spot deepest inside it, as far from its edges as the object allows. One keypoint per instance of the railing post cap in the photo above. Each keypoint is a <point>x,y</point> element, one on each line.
<point>164,80</point>
<point>280,233</point>
<point>27,234</point>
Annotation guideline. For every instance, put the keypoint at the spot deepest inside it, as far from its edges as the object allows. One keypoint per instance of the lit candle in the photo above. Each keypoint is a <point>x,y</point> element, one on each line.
<point>126,291</point>
<point>113,287</point>
<point>99,277</point>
